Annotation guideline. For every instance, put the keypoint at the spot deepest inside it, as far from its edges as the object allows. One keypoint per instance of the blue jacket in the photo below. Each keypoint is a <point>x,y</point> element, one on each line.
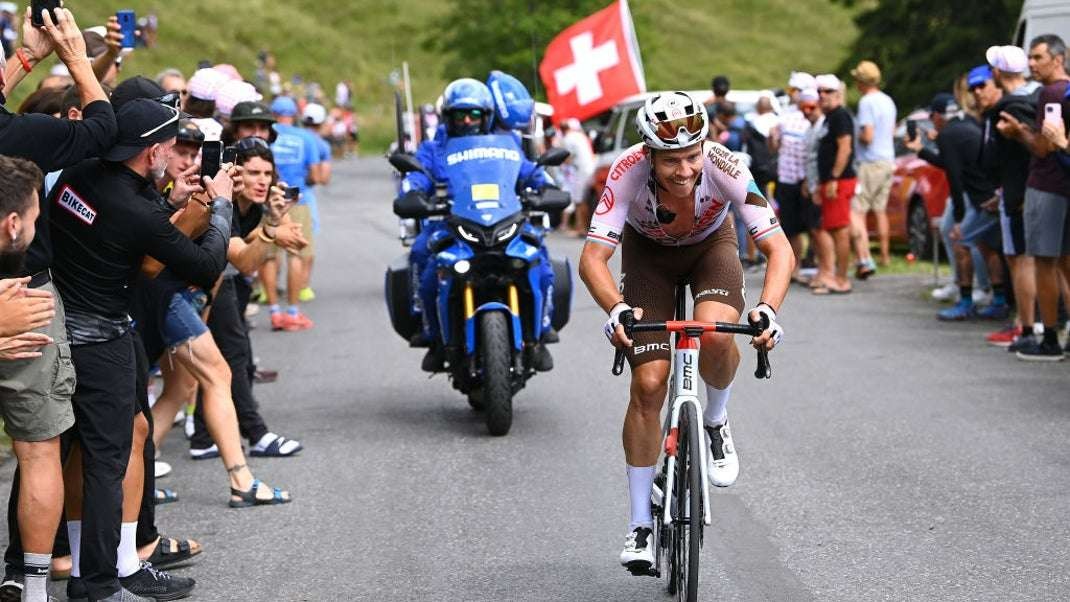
<point>432,155</point>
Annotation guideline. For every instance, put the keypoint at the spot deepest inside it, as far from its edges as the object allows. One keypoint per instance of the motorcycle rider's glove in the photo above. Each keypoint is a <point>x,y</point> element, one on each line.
<point>412,204</point>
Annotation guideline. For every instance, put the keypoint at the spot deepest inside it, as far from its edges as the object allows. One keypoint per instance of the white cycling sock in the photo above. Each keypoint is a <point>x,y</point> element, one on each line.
<point>74,534</point>
<point>716,405</point>
<point>128,563</point>
<point>640,482</point>
<point>35,584</point>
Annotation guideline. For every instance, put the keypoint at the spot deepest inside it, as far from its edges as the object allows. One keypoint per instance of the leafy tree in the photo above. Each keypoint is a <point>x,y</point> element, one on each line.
<point>510,35</point>
<point>922,46</point>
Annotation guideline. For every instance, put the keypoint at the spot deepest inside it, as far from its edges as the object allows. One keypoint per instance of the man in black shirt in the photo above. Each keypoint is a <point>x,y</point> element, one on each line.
<point>972,195</point>
<point>106,217</point>
<point>835,170</point>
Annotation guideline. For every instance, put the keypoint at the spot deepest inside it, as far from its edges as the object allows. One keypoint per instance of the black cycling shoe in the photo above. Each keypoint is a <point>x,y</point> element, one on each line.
<point>543,361</point>
<point>550,336</point>
<point>434,360</point>
<point>158,585</point>
<point>11,587</point>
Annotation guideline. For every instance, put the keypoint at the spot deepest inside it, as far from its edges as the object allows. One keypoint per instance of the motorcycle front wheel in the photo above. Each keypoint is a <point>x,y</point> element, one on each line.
<point>495,357</point>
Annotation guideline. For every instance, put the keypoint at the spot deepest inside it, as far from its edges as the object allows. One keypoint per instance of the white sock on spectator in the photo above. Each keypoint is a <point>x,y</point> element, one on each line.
<point>640,482</point>
<point>716,405</point>
<point>74,534</point>
<point>128,563</point>
<point>35,586</point>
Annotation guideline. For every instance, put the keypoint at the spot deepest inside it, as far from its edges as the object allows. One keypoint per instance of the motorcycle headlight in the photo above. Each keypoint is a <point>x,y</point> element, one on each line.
<point>488,237</point>
<point>470,237</point>
<point>507,234</point>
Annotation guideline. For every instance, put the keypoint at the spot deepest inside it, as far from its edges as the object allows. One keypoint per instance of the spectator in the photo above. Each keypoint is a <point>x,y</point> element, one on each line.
<point>1047,238</point>
<point>972,198</point>
<point>836,174</point>
<point>230,94</point>
<point>876,166</point>
<point>579,169</point>
<point>788,140</point>
<point>43,101</point>
<point>250,118</point>
<point>1006,160</point>
<point>719,86</point>
<point>172,80</point>
<point>756,142</point>
<point>202,89</point>
<point>8,31</point>
<point>297,159</point>
<point>313,118</point>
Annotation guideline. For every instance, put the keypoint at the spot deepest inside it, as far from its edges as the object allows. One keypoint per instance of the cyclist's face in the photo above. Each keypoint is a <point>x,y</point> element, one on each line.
<point>678,170</point>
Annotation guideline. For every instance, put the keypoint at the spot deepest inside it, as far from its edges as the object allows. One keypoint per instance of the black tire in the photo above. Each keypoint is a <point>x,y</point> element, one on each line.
<point>687,521</point>
<point>562,293</point>
<point>919,232</point>
<point>496,357</point>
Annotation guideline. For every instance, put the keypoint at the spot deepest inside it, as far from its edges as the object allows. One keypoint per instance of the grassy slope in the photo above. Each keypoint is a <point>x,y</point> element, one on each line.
<point>755,42</point>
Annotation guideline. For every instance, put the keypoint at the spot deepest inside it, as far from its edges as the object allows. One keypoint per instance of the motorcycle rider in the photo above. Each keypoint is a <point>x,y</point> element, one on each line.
<point>468,110</point>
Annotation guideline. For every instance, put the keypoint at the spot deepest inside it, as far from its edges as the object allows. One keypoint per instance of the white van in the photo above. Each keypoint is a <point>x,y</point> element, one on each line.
<point>1040,17</point>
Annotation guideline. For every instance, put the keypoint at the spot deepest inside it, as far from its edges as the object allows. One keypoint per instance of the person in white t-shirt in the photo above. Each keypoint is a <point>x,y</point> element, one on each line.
<point>578,172</point>
<point>875,151</point>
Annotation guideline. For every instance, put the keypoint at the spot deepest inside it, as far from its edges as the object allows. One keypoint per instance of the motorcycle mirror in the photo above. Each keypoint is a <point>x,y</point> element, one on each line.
<point>552,157</point>
<point>405,163</point>
<point>551,200</point>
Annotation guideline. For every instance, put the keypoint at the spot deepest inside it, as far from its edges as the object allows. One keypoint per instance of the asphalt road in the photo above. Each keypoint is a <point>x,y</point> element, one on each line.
<point>890,458</point>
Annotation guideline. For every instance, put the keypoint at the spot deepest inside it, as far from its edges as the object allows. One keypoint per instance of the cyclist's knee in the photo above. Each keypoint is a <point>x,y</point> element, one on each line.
<point>717,344</point>
<point>648,390</point>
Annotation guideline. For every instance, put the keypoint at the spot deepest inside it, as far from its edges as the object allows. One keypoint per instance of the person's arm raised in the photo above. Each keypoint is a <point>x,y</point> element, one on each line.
<point>70,48</point>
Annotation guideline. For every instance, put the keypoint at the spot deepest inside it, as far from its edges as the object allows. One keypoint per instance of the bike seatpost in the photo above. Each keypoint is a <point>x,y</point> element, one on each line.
<point>627,319</point>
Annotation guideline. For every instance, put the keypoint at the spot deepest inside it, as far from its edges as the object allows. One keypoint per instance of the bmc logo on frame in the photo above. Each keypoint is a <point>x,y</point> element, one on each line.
<point>69,200</point>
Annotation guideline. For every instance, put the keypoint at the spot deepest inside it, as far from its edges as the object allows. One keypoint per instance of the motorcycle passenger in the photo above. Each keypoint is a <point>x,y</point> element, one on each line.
<point>468,110</point>
<point>666,204</point>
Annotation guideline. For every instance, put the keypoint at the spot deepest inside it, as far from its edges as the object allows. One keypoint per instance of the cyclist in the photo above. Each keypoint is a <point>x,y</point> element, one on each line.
<point>468,110</point>
<point>667,201</point>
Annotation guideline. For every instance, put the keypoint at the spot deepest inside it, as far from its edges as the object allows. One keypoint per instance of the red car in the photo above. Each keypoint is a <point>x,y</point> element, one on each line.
<point>919,195</point>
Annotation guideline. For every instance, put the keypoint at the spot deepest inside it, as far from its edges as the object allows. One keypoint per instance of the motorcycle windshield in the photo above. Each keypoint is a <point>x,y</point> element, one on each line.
<point>482,172</point>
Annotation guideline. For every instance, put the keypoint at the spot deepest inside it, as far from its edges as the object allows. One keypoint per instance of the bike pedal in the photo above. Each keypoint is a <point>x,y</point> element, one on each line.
<point>642,569</point>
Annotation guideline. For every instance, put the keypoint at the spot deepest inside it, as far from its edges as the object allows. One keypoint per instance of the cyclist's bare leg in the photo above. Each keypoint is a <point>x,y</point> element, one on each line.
<point>642,422</point>
<point>718,356</point>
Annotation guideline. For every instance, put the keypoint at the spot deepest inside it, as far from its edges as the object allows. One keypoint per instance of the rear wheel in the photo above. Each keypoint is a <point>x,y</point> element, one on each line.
<point>495,354</point>
<point>919,233</point>
<point>687,501</point>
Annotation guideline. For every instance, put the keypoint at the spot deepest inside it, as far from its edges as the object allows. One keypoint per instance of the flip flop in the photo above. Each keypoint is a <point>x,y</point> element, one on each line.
<point>165,496</point>
<point>840,291</point>
<point>820,289</point>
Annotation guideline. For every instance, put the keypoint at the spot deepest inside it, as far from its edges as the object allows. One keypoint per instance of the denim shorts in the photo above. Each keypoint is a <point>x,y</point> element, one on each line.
<point>183,321</point>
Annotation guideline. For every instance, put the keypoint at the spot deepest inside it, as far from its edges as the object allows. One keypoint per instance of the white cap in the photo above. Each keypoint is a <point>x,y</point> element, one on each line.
<point>9,7</point>
<point>205,83</point>
<point>809,95</point>
<point>574,124</point>
<point>827,81</point>
<point>314,113</point>
<point>231,93</point>
<point>801,80</point>
<point>1010,59</point>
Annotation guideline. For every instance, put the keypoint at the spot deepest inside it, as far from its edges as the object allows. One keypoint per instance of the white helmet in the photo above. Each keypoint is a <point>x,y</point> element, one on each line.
<point>671,121</point>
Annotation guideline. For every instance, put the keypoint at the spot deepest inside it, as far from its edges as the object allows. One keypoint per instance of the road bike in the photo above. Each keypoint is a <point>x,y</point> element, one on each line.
<point>681,489</point>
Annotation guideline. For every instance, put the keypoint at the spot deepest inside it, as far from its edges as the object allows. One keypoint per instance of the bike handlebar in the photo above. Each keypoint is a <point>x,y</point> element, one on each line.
<point>754,328</point>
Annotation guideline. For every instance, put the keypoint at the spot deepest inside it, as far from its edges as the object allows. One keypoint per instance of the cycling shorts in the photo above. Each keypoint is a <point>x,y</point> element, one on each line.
<point>651,271</point>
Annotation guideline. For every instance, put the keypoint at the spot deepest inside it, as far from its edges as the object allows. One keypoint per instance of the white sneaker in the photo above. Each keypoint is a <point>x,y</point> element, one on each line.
<point>948,292</point>
<point>180,417</point>
<point>638,554</point>
<point>724,463</point>
<point>162,469</point>
<point>982,297</point>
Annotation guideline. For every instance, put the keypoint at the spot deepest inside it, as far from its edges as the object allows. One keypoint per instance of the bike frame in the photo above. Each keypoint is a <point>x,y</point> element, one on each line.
<point>685,379</point>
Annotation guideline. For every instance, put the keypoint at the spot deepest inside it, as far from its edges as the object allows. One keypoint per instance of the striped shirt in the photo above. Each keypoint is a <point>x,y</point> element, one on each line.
<point>791,162</point>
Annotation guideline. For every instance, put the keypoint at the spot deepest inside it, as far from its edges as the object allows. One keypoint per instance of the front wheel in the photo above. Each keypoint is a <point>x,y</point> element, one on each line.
<point>919,233</point>
<point>687,501</point>
<point>495,357</point>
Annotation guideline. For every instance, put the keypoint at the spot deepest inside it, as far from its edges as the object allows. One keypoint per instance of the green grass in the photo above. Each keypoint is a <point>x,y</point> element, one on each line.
<point>756,42</point>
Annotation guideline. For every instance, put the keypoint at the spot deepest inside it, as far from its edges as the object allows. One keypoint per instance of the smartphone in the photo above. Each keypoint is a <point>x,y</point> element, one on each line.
<point>230,155</point>
<point>912,129</point>
<point>291,192</point>
<point>128,23</point>
<point>1053,112</point>
<point>211,158</point>
<point>39,5</point>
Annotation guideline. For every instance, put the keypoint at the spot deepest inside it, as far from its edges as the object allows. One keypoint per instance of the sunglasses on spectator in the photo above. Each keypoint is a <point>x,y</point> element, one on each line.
<point>171,99</point>
<point>473,114</point>
<point>977,87</point>
<point>252,142</point>
<point>826,91</point>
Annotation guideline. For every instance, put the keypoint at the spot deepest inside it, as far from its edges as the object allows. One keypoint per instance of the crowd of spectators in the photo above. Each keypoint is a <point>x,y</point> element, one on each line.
<point>135,216</point>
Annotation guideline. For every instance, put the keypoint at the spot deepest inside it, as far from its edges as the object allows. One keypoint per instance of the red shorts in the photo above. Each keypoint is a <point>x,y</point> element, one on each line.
<point>836,211</point>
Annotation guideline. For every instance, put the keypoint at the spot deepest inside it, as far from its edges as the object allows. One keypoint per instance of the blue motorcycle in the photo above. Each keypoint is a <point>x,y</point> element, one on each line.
<point>491,309</point>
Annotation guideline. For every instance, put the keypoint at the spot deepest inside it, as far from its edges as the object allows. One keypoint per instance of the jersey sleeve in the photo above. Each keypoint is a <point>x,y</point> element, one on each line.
<point>733,180</point>
<point>625,179</point>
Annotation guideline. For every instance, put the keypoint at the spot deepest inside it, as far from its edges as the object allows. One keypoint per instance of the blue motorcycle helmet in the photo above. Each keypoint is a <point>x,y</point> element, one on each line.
<point>514,106</point>
<point>468,107</point>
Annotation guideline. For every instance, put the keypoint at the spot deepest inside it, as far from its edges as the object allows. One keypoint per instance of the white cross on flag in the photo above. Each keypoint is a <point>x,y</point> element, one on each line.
<point>593,65</point>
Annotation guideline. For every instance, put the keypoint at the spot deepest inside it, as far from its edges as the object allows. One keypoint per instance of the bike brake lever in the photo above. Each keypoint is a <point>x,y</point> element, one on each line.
<point>764,369</point>
<point>627,319</point>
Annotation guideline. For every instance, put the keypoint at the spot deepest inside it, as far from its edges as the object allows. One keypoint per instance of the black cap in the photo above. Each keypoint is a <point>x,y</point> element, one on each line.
<point>189,132</point>
<point>135,87</point>
<point>251,111</point>
<point>943,103</point>
<point>142,123</point>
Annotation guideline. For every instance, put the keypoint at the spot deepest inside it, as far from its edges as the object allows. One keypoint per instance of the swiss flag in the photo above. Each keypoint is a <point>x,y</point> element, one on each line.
<point>593,65</point>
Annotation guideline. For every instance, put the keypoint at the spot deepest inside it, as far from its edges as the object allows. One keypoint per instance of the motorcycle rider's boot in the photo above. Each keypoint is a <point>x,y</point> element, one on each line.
<point>543,361</point>
<point>550,336</point>
<point>419,340</point>
<point>434,360</point>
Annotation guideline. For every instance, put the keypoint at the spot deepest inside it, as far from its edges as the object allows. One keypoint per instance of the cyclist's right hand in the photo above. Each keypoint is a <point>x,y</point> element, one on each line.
<point>614,330</point>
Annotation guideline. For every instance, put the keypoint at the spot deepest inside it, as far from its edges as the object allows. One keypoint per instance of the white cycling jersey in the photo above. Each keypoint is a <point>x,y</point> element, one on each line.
<point>630,196</point>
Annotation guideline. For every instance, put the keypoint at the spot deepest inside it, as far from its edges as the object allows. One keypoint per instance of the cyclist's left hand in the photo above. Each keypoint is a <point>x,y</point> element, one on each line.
<point>772,334</point>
